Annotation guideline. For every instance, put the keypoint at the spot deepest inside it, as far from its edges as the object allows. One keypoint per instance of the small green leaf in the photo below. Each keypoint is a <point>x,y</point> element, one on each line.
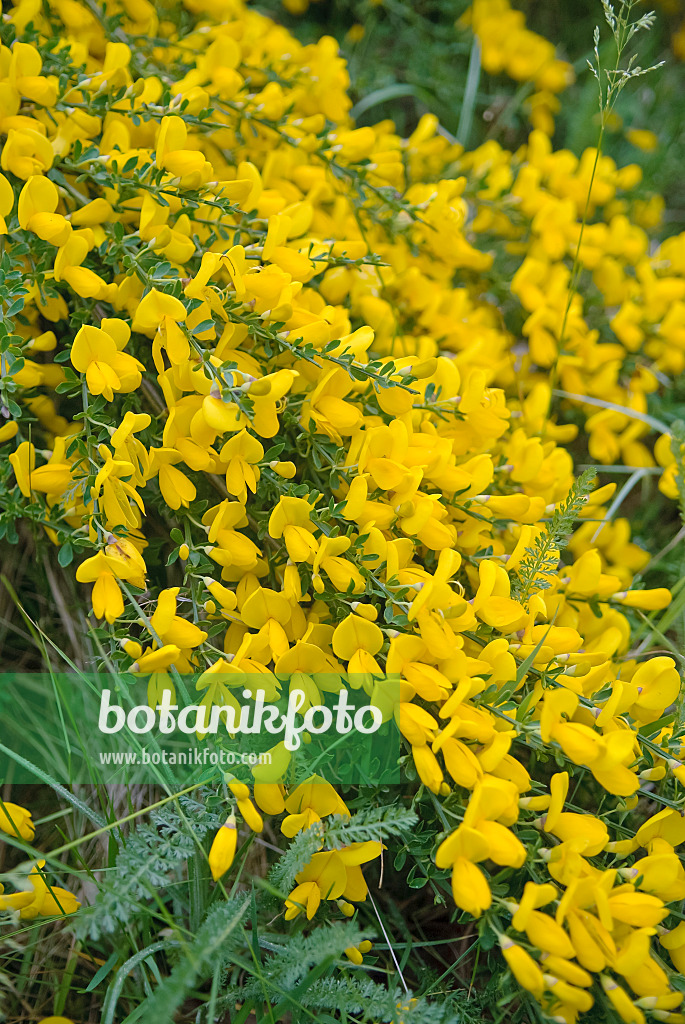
<point>65,555</point>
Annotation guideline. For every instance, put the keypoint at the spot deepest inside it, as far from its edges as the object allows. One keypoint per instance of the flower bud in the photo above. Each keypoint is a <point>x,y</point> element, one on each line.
<point>223,848</point>
<point>132,648</point>
<point>250,813</point>
<point>287,470</point>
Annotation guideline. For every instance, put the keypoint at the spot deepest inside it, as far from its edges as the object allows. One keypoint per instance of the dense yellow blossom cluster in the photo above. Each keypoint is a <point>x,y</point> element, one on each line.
<point>509,47</point>
<point>325,357</point>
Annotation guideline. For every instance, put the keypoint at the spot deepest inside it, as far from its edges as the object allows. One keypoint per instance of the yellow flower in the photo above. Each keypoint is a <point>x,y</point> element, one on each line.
<point>223,848</point>
<point>8,431</point>
<point>177,490</point>
<point>26,153</point>
<point>287,470</point>
<point>309,802</point>
<point>16,821</point>
<point>173,629</point>
<point>461,851</point>
<point>648,600</point>
<point>544,933</point>
<point>344,575</point>
<point>42,900</point>
<point>355,33</point>
<point>152,309</point>
<point>6,202</point>
<point>38,201</point>
<point>522,966</point>
<point>656,685</point>
<point>188,165</point>
<point>577,999</point>
<point>127,447</point>
<point>16,900</point>
<point>274,772</point>
<point>155,660</point>
<point>427,766</point>
<point>332,415</point>
<point>356,641</point>
<point>23,462</point>
<point>267,395</point>
<point>674,942</point>
<point>643,138</point>
<point>330,875</point>
<point>250,814</point>
<point>416,724</point>
<point>68,267</point>
<point>637,909</point>
<point>114,493</point>
<point>103,570</point>
<point>290,520</point>
<point>307,897</point>
<point>590,832</point>
<point>242,453</point>
<point>660,872</point>
<point>24,74</point>
<point>269,797</point>
<point>240,259</point>
<point>96,353</point>
<point>492,602</point>
<point>621,1001</point>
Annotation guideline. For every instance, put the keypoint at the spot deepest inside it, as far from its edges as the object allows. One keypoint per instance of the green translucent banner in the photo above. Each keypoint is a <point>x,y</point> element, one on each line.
<point>122,729</point>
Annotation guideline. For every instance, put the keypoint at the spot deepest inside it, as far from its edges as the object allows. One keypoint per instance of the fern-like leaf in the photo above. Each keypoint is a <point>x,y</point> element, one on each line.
<point>540,562</point>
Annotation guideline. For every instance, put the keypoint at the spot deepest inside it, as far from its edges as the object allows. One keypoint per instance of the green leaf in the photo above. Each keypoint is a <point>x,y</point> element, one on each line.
<point>205,325</point>
<point>102,972</point>
<point>210,943</point>
<point>16,307</point>
<point>65,555</point>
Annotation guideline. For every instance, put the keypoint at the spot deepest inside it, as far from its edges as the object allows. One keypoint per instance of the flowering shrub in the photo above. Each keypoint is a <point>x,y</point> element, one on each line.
<point>330,377</point>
